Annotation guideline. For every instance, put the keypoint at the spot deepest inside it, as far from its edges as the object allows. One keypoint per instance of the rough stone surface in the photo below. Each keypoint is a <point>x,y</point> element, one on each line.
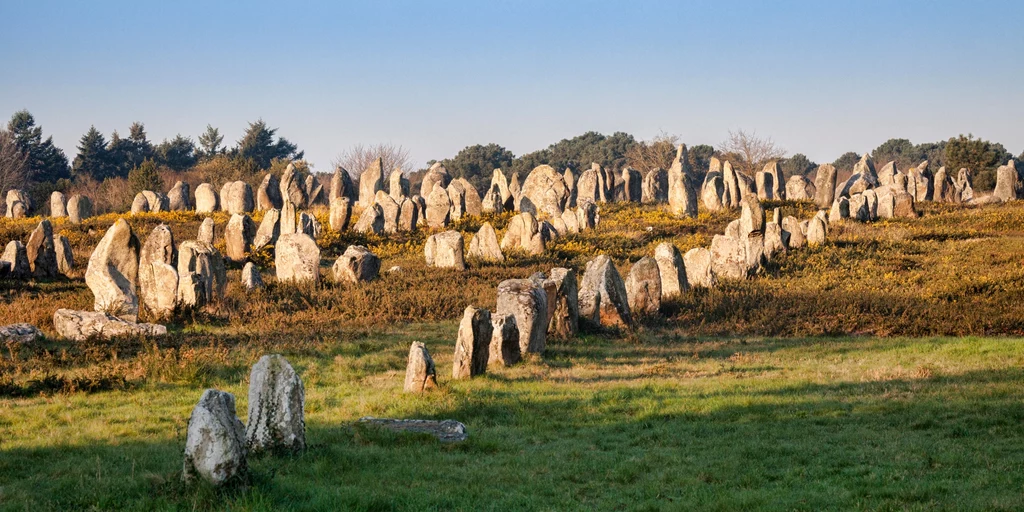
<point>206,198</point>
<point>356,265</point>
<point>588,186</point>
<point>799,188</point>
<point>713,193</point>
<point>654,188</point>
<point>527,302</point>
<point>773,240</point>
<point>238,237</point>
<point>58,204</point>
<point>158,277</point>
<point>179,197</point>
<point>17,259</point>
<point>268,194</point>
<point>671,269</point>
<point>791,225</point>
<point>82,325</point>
<point>297,258</point>
<point>370,181</point>
<point>520,232</point>
<point>474,205</point>
<point>40,251</point>
<point>472,347</point>
<point>420,373</point>
<point>390,210</point>
<point>484,245</point>
<point>445,250</point>
<point>682,193</point>
<point>903,206</point>
<point>342,186</point>
<point>825,186</point>
<point>113,271</point>
<point>840,210</point>
<point>236,197</point>
<point>816,232</point>
<point>565,312</point>
<point>202,277</point>
<point>446,431</point>
<point>292,191</point>
<point>603,299</point>
<point>544,191</point>
<point>207,231</point>
<point>371,220</point>
<point>14,198</point>
<point>632,185</point>
<point>215,445</point>
<point>140,204</point>
<point>729,257</point>
<point>439,207</point>
<point>19,334</point>
<point>251,278</point>
<point>277,400</point>
<point>65,257</point>
<point>79,208</point>
<point>643,287</point>
<point>268,231</point>
<point>1007,183</point>
<point>408,215</point>
<point>504,347</point>
<point>436,175</point>
<point>398,185</point>
<point>341,213</point>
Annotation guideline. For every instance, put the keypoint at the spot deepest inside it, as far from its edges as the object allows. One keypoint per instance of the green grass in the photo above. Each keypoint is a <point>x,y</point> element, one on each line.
<point>720,424</point>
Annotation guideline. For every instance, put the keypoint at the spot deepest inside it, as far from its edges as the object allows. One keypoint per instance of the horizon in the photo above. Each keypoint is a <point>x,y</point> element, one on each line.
<point>523,75</point>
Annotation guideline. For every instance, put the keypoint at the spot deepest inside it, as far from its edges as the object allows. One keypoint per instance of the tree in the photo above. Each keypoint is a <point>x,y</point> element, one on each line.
<point>981,157</point>
<point>119,155</point>
<point>258,146</point>
<point>92,159</point>
<point>178,153</point>
<point>45,162</point>
<point>210,143</point>
<point>901,151</point>
<point>750,152</point>
<point>845,163</point>
<point>797,165</point>
<point>579,152</point>
<point>358,158</point>
<point>476,163</point>
<point>145,177</point>
<point>139,146</point>
<point>700,158</point>
<point>13,162</point>
<point>657,153</point>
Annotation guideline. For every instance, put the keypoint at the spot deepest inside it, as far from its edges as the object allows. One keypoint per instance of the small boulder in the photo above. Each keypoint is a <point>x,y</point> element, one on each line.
<point>356,265</point>
<point>445,250</point>
<point>527,301</point>
<point>484,244</point>
<point>420,374</point>
<point>215,444</point>
<point>643,287</point>
<point>297,258</point>
<point>251,279</point>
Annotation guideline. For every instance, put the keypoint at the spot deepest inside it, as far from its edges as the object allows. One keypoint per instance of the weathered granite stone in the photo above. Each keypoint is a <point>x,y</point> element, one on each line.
<point>41,254</point>
<point>799,188</point>
<point>236,197</point>
<point>215,444</point>
<point>903,206</point>
<point>342,186</point>
<point>729,257</point>
<point>82,325</point>
<point>408,215</point>
<point>238,237</point>
<point>314,192</point>
<point>356,265</point>
<point>309,226</point>
<point>544,191</point>
<point>251,278</point>
<point>341,213</point>
<point>370,181</point>
<point>457,196</point>
<point>713,193</point>
<point>268,231</point>
<point>773,240</point>
<point>603,299</point>
<point>816,232</point>
<point>179,197</point>
<point>825,186</point>
<point>682,193</point>
<point>65,257</point>
<point>277,401</point>
<point>474,205</point>
<point>14,198</point>
<point>472,347</point>
<point>565,312</point>
<point>436,175</point>
<point>504,348</point>
<point>484,245</point>
<point>446,431</point>
<point>643,287</point>
<point>398,185</point>
<point>654,188</point>
<point>1007,183</point>
<point>113,271</point>
<point>390,210</point>
<point>420,373</point>
<point>207,231</point>
<point>791,225</point>
<point>202,277</point>
<point>632,185</point>
<point>206,198</point>
<point>79,208</point>
<point>19,334</point>
<point>17,258</point>
<point>445,250</point>
<point>158,277</point>
<point>520,232</point>
<point>671,269</point>
<point>527,302</point>
<point>268,194</point>
<point>140,204</point>
<point>439,207</point>
<point>371,220</point>
<point>297,258</point>
<point>292,189</point>
<point>58,205</point>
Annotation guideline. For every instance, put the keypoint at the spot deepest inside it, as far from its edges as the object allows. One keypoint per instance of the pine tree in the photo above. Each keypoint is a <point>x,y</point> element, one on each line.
<point>145,177</point>
<point>177,153</point>
<point>258,146</point>
<point>140,147</point>
<point>45,161</point>
<point>92,159</point>
<point>210,143</point>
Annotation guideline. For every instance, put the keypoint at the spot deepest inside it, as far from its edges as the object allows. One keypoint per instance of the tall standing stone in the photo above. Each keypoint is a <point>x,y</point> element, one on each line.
<point>439,206</point>
<point>825,186</point>
<point>42,257</point>
<point>79,208</point>
<point>603,298</point>
<point>484,245</point>
<point>58,205</point>
<point>436,175</point>
<point>565,312</point>
<point>206,198</point>
<point>370,182</point>
<point>398,185</point>
<point>314,191</point>
<point>113,272</point>
<point>420,373</point>
<point>390,210</point>
<point>341,213</point>
<point>1007,182</point>
<point>643,287</point>
<point>671,269</point>
<point>588,187</point>
<point>371,220</point>
<point>202,277</point>
<point>277,401</point>
<point>18,204</point>
<point>632,185</point>
<point>238,237</point>
<point>251,278</point>
<point>654,188</point>
<point>268,195</point>
<point>408,215</point>
<point>207,231</point>
<point>236,197</point>
<point>527,302</point>
<point>17,259</point>
<point>287,224</point>
<point>158,277</point>
<point>799,188</point>
<point>65,257</point>
<point>292,191</point>
<point>472,347</point>
<point>140,204</point>
<point>215,446</point>
<point>179,197</point>
<point>682,196</point>
<point>504,348</point>
<point>699,271</point>
<point>342,186</point>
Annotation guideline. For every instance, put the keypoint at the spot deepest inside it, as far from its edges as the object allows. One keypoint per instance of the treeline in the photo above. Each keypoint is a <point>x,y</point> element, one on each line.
<point>115,169</point>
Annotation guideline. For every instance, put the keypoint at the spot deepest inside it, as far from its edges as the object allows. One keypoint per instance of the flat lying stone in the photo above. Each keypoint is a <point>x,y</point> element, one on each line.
<point>81,325</point>
<point>19,333</point>
<point>446,431</point>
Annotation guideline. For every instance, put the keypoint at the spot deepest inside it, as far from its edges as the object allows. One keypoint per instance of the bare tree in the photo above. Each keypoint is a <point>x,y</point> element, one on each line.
<point>359,157</point>
<point>13,163</point>
<point>657,153</point>
<point>750,152</point>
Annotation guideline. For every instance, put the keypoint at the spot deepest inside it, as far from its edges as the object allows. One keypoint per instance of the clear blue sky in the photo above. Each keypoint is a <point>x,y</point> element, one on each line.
<point>820,77</point>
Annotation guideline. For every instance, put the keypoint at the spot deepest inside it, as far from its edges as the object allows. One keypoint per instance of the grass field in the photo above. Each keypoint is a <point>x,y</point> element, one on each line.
<point>834,381</point>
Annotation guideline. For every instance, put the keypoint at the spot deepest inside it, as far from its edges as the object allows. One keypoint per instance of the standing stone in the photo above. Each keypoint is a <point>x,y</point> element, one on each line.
<point>436,175</point>
<point>765,185</point>
<point>113,272</point>
<point>632,185</point>
<point>251,278</point>
<point>292,191</point>
<point>474,205</point>
<point>342,186</point>
<point>773,242</point>
<point>79,208</point>
<point>206,198</point>
<point>420,374</point>
<point>588,187</point>
<point>484,245</point>
<point>515,192</point>
<point>179,197</point>
<point>65,258</point>
<point>603,297</point>
<point>751,217</point>
<point>268,195</point>
<point>277,400</point>
<point>643,287</point>
<point>816,231</point>
<point>207,231</point>
<point>520,232</point>
<point>682,196</point>
<point>17,259</point>
<point>341,213</point>
<point>699,272</point>
<point>654,188</point>
<point>42,257</point>
<point>871,197</point>
<point>492,202</point>
<point>504,348</point>
<point>309,225</point>
<point>729,257</point>
<point>942,190</point>
<point>356,265</point>
<point>457,196</point>
<point>58,205</point>
<point>859,208</point>
<point>390,211</point>
<point>472,347</point>
<point>439,207</point>
<point>215,446</point>
<point>140,204</point>
<point>371,220</point>
<point>791,226</point>
<point>587,214</point>
<point>671,269</point>
<point>571,222</point>
<point>82,325</point>
<point>297,258</point>
<point>408,215</point>
<point>202,277</point>
<point>398,185</point>
<point>825,186</point>
<point>526,301</point>
<point>731,194</point>
<point>370,182</point>
<point>840,210</point>
<point>498,180</point>
<point>799,188</point>
<point>565,310</point>
<point>570,187</point>
<point>1007,183</point>
<point>713,193</point>
<point>314,191</point>
<point>779,192</point>
<point>158,278</point>
<point>238,237</point>
<point>236,197</point>
<point>14,198</point>
<point>445,250</point>
<point>903,206</point>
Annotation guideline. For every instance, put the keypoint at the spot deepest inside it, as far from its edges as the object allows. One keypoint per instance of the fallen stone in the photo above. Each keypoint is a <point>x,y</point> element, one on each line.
<point>82,325</point>
<point>446,431</point>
